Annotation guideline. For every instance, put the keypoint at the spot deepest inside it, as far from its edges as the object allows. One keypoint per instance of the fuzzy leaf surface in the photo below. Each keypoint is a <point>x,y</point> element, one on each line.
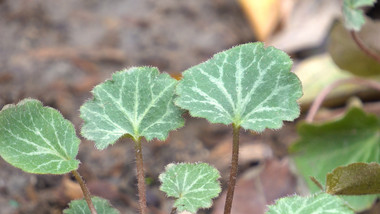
<point>323,147</point>
<point>137,102</point>
<point>194,185</point>
<point>37,139</point>
<point>101,205</point>
<point>248,85</point>
<point>353,15</point>
<point>354,179</point>
<point>316,204</point>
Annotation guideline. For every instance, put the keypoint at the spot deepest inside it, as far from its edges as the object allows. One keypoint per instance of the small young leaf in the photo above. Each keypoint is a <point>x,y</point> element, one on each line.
<point>136,102</point>
<point>194,185</point>
<point>354,179</point>
<point>101,205</point>
<point>353,15</point>
<point>37,139</point>
<point>248,85</point>
<point>321,203</point>
<point>323,147</point>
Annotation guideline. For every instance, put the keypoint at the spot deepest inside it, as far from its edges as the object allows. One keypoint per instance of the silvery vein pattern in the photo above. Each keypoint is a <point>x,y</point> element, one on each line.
<point>37,139</point>
<point>101,205</point>
<point>137,102</point>
<point>248,85</point>
<point>315,204</point>
<point>194,185</point>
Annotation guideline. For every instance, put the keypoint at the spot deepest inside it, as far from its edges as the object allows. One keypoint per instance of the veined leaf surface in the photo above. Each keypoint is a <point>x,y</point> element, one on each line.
<point>323,147</point>
<point>137,102</point>
<point>321,203</point>
<point>101,205</point>
<point>353,15</point>
<point>37,139</point>
<point>248,85</point>
<point>194,185</point>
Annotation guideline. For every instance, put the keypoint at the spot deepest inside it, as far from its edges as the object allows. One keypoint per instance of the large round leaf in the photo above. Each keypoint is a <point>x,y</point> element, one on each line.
<point>248,85</point>
<point>323,147</point>
<point>37,139</point>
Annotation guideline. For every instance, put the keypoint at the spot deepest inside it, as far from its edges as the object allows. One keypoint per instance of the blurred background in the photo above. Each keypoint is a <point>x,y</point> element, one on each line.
<point>58,50</point>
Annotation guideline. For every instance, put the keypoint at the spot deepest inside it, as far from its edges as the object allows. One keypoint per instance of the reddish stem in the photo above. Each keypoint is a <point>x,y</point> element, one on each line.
<point>323,94</point>
<point>86,192</point>
<point>140,177</point>
<point>363,47</point>
<point>234,170</point>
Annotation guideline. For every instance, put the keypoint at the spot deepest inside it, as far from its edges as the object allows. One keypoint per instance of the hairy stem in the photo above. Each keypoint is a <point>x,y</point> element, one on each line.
<point>234,170</point>
<point>363,47</point>
<point>323,94</point>
<point>140,177</point>
<point>86,192</point>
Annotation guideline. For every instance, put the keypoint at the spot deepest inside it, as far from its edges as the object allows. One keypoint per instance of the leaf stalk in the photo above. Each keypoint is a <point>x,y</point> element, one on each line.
<point>323,94</point>
<point>86,192</point>
<point>234,169</point>
<point>140,177</point>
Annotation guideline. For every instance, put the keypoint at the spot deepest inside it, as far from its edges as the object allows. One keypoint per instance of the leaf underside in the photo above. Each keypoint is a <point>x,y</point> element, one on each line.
<point>354,179</point>
<point>316,204</point>
<point>248,85</point>
<point>101,205</point>
<point>353,15</point>
<point>137,102</point>
<point>322,148</point>
<point>194,185</point>
<point>37,139</point>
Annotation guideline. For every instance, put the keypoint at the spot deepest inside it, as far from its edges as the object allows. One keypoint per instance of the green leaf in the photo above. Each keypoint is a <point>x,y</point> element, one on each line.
<point>136,102</point>
<point>354,179</point>
<point>194,185</point>
<point>323,147</point>
<point>248,85</point>
<point>316,204</point>
<point>353,15</point>
<point>101,205</point>
<point>37,139</point>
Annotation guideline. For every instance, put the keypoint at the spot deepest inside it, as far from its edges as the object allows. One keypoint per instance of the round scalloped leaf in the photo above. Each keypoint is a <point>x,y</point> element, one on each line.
<point>353,15</point>
<point>37,139</point>
<point>323,147</point>
<point>137,102</point>
<point>354,179</point>
<point>194,185</point>
<point>101,205</point>
<point>248,85</point>
<point>316,204</point>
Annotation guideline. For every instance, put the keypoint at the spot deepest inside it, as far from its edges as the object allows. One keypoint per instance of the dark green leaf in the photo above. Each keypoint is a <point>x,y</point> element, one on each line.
<point>323,147</point>
<point>354,179</point>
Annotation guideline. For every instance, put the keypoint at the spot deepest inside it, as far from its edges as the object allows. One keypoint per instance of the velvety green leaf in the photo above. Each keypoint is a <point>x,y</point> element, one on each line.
<point>136,102</point>
<point>353,16</point>
<point>101,205</point>
<point>323,147</point>
<point>354,179</point>
<point>194,185</point>
<point>37,139</point>
<point>248,85</point>
<point>316,204</point>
